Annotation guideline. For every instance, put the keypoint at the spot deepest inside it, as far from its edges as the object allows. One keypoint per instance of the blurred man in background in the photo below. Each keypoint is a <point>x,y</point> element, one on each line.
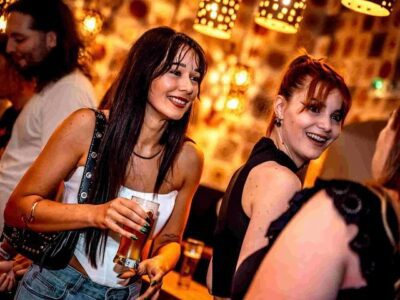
<point>15,92</point>
<point>43,42</point>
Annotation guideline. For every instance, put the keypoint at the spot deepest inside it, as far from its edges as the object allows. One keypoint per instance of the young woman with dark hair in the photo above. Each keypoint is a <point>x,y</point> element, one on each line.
<point>308,114</point>
<point>144,153</point>
<point>339,240</point>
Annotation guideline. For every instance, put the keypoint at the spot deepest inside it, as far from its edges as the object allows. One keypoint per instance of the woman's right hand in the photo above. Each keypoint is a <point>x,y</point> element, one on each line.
<point>7,277</point>
<point>121,213</point>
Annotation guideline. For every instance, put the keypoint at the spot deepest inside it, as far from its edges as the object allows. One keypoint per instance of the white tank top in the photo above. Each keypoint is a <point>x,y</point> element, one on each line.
<point>107,271</point>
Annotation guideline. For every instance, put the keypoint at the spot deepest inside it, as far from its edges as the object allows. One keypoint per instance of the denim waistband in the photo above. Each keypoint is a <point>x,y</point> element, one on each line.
<point>73,285</point>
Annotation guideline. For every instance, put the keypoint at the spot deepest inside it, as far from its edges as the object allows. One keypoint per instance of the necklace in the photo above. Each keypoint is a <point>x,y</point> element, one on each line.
<point>147,157</point>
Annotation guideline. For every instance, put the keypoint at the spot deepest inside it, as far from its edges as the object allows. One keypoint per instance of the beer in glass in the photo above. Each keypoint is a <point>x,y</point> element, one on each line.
<point>130,251</point>
<point>191,257</point>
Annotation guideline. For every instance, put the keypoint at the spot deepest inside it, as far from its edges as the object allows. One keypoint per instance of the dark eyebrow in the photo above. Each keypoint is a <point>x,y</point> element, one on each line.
<point>179,64</point>
<point>17,34</point>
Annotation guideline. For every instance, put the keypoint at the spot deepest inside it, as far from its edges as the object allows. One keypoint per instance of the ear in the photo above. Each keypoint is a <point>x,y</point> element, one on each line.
<point>280,104</point>
<point>51,40</point>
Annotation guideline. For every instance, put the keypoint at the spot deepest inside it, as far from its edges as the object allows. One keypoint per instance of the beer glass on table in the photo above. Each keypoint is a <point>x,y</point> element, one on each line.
<point>191,257</point>
<point>130,251</point>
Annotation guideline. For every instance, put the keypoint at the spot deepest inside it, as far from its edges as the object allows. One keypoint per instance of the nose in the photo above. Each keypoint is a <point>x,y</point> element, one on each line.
<point>325,123</point>
<point>186,85</point>
<point>10,48</point>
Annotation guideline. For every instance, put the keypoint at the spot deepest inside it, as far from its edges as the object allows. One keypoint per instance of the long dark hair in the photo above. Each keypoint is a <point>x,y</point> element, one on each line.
<point>390,177</point>
<point>47,16</point>
<point>321,74</point>
<point>151,56</point>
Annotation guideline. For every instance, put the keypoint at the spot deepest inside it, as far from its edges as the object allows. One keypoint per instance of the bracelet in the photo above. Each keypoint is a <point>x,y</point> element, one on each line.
<point>4,254</point>
<point>31,217</point>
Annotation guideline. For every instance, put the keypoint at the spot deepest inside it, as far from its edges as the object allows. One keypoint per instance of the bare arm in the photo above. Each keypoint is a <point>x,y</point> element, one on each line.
<point>66,150</point>
<point>266,195</point>
<point>167,248</point>
<point>308,260</point>
<point>191,165</point>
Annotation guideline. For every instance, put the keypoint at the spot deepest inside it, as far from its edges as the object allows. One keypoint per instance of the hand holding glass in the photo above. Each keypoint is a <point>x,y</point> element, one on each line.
<point>130,251</point>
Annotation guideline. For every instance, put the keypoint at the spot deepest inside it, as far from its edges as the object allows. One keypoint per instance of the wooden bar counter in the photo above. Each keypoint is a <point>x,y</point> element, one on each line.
<point>170,289</point>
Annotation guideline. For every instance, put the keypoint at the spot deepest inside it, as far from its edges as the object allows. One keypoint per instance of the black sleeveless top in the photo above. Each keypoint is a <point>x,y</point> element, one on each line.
<point>357,205</point>
<point>232,221</point>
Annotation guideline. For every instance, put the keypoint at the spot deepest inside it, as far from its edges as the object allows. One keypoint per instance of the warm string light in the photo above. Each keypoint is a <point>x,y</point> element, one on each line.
<point>91,24</point>
<point>377,8</point>
<point>3,23</point>
<point>240,82</point>
<point>216,18</point>
<point>3,20</point>
<point>281,15</point>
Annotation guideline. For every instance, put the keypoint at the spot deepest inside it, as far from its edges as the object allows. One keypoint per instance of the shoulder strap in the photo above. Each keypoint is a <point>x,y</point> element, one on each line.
<point>92,156</point>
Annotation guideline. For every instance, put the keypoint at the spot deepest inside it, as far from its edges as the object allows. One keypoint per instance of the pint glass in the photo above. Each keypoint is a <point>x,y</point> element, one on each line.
<point>130,251</point>
<point>191,256</point>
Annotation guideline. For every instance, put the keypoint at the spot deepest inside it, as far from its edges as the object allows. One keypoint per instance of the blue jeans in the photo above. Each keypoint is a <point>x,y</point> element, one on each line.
<point>69,284</point>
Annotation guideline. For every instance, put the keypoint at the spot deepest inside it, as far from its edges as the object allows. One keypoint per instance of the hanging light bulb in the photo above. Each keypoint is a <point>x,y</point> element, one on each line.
<point>280,15</point>
<point>234,103</point>
<point>216,18</point>
<point>3,23</point>
<point>241,77</point>
<point>3,20</point>
<point>92,23</point>
<point>377,8</point>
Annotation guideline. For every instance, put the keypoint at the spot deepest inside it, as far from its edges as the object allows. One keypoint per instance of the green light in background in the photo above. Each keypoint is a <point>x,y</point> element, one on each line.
<point>377,83</point>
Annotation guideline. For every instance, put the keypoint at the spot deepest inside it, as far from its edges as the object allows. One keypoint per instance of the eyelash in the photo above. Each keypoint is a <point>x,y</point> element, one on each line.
<point>315,109</point>
<point>179,73</point>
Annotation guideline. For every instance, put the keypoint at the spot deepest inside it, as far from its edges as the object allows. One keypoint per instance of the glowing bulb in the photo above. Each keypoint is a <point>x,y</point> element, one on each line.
<point>286,2</point>
<point>214,7</point>
<point>233,103</point>
<point>90,23</point>
<point>241,77</point>
<point>3,23</point>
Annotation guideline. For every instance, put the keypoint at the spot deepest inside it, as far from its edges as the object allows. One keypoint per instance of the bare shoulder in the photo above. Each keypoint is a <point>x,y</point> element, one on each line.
<point>326,222</point>
<point>77,129</point>
<point>82,120</point>
<point>272,174</point>
<point>190,160</point>
<point>191,155</point>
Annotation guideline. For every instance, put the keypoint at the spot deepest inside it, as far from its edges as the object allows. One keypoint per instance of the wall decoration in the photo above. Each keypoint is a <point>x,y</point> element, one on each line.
<point>378,40</point>
<point>385,69</point>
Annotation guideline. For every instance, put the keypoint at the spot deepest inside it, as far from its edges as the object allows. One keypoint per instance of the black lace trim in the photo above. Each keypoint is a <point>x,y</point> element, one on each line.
<point>360,206</point>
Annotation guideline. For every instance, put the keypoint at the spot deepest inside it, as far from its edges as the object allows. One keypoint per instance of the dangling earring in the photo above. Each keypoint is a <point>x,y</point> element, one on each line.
<point>278,122</point>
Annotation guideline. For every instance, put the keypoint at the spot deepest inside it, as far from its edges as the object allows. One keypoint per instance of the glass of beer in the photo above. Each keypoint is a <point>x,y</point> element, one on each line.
<point>130,251</point>
<point>191,257</point>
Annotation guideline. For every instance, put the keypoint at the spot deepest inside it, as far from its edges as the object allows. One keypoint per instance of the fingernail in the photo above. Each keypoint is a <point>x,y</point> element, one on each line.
<point>147,226</point>
<point>148,220</point>
<point>134,237</point>
<point>144,230</point>
<point>153,283</point>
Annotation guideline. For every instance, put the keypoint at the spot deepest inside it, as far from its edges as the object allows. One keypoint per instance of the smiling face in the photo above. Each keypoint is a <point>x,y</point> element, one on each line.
<point>28,47</point>
<point>171,94</point>
<point>309,127</point>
